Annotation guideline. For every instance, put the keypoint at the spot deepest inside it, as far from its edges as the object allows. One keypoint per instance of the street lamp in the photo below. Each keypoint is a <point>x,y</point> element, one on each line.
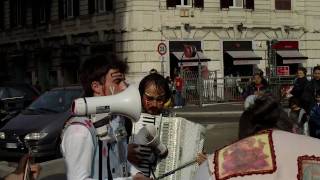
<point>271,57</point>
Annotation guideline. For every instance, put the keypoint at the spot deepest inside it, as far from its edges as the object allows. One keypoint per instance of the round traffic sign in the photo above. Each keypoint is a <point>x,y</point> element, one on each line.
<point>162,49</point>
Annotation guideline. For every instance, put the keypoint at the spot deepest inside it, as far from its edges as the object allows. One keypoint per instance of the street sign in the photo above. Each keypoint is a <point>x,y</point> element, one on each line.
<point>283,70</point>
<point>162,48</point>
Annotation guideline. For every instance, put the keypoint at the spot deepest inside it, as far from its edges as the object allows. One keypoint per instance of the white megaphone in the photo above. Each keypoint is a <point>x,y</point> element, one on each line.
<point>126,103</point>
<point>148,135</point>
<point>100,109</point>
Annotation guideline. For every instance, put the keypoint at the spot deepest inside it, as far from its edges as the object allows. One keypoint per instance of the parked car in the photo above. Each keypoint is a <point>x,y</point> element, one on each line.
<point>39,126</point>
<point>14,97</point>
<point>11,90</point>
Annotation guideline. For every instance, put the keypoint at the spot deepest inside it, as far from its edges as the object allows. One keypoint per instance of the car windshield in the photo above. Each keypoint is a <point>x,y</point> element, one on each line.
<point>55,101</point>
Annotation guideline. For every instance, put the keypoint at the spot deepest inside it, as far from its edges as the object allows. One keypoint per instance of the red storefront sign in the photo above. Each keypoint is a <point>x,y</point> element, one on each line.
<point>285,45</point>
<point>283,71</point>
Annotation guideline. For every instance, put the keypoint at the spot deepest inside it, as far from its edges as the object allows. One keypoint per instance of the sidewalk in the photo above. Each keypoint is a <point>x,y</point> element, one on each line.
<point>211,113</point>
<point>219,109</point>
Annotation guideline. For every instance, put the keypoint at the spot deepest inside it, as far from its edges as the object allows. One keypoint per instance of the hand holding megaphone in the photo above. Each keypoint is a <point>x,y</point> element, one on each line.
<point>148,135</point>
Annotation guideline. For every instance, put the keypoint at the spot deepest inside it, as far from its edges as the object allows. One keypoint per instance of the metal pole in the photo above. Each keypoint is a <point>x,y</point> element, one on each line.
<point>269,58</point>
<point>200,84</point>
<point>215,85</point>
<point>162,66</point>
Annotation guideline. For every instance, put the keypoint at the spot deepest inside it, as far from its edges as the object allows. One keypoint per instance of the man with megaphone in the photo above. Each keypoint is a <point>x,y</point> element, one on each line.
<point>94,141</point>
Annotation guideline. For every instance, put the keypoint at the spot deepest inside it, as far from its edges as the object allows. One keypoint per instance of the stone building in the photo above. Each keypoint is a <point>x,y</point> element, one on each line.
<point>47,40</point>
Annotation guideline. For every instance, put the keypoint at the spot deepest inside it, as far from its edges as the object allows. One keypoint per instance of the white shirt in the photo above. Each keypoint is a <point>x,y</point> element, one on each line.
<point>78,150</point>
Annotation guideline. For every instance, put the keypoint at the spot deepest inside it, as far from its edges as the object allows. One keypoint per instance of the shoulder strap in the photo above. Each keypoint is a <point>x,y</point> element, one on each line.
<point>86,122</point>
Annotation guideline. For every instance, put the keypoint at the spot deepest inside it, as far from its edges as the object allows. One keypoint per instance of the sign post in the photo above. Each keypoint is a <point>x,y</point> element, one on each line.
<point>162,50</point>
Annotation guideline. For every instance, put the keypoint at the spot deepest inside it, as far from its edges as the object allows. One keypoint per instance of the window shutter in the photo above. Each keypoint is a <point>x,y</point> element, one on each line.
<point>61,9</point>
<point>224,4</point>
<point>23,12</point>
<point>250,4</point>
<point>35,13</point>
<point>91,6</point>
<point>48,10</point>
<point>109,5</point>
<point>283,4</point>
<point>171,3</point>
<point>13,13</point>
<point>76,8</point>
<point>1,14</point>
<point>198,3</point>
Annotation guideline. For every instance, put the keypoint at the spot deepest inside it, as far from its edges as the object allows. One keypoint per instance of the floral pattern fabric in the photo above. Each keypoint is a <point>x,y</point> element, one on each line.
<point>252,155</point>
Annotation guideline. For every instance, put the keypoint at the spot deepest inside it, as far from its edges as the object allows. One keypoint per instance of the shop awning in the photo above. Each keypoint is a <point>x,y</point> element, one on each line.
<point>184,63</point>
<point>244,57</point>
<point>291,56</point>
<point>180,56</point>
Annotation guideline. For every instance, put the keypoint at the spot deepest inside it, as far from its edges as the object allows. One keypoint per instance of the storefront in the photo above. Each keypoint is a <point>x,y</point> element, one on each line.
<point>187,56</point>
<point>287,57</point>
<point>239,58</point>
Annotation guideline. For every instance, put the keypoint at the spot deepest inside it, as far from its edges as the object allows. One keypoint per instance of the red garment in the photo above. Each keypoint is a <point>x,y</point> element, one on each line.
<point>178,83</point>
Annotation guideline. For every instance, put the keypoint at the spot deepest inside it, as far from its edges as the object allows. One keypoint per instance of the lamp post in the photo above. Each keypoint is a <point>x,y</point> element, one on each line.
<point>271,57</point>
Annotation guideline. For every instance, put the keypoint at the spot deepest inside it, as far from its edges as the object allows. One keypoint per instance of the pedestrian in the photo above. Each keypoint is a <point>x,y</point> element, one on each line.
<point>299,83</point>
<point>258,86</point>
<point>308,95</point>
<point>155,92</point>
<point>170,102</point>
<point>178,83</point>
<point>38,86</point>
<point>268,150</point>
<point>152,71</point>
<point>100,75</point>
<point>314,122</point>
<point>298,116</point>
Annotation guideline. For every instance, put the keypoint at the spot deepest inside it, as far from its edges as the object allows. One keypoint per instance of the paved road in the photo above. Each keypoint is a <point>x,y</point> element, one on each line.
<point>221,122</point>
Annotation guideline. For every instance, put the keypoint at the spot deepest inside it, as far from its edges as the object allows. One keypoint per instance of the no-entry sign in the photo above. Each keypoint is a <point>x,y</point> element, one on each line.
<point>162,49</point>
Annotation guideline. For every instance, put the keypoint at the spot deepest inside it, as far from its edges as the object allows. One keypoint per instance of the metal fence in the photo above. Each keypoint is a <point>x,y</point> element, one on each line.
<point>212,89</point>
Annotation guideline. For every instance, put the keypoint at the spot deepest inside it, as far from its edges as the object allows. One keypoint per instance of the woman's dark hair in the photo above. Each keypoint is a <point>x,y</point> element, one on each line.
<point>294,100</point>
<point>258,72</point>
<point>265,113</point>
<point>96,67</point>
<point>159,81</point>
<point>303,69</point>
<point>316,68</point>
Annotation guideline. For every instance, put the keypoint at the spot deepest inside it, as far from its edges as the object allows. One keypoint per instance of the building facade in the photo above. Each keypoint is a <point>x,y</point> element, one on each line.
<point>47,40</point>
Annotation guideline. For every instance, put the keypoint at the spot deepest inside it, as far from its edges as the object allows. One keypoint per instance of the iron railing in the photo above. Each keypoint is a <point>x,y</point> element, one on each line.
<point>211,88</point>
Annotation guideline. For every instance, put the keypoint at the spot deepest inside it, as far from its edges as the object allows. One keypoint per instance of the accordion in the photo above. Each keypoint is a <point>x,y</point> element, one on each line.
<point>183,139</point>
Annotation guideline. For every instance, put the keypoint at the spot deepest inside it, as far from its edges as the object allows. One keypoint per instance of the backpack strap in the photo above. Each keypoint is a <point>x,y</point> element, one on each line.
<point>86,122</point>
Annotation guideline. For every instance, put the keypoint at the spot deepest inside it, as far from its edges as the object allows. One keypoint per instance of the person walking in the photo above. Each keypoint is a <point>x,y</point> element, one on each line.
<point>178,83</point>
<point>314,121</point>
<point>298,116</point>
<point>299,83</point>
<point>308,95</point>
<point>258,86</point>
